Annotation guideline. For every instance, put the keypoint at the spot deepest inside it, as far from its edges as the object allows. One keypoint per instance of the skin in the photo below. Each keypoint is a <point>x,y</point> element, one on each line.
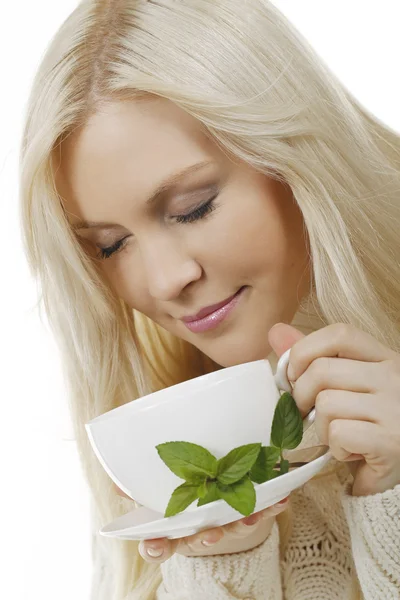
<point>168,269</point>
<point>254,237</point>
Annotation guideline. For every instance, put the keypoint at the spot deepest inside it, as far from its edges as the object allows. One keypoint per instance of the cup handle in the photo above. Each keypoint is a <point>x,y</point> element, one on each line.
<point>283,383</point>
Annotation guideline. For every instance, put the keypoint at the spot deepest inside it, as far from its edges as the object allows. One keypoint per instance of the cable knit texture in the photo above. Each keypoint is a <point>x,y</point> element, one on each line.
<point>336,541</point>
<point>242,575</point>
<point>375,526</point>
<point>334,536</point>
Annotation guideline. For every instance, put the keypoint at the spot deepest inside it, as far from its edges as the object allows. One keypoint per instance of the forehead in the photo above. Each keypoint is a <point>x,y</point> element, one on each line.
<point>128,148</point>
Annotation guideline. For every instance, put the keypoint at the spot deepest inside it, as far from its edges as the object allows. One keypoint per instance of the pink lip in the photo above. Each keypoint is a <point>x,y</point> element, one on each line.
<point>210,317</point>
<point>204,312</point>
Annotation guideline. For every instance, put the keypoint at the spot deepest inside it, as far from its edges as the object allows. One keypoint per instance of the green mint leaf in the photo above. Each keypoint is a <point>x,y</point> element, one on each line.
<point>188,461</point>
<point>212,494</point>
<point>240,495</point>
<point>284,466</point>
<point>202,490</point>
<point>181,498</point>
<point>287,424</point>
<point>237,463</point>
<point>263,467</point>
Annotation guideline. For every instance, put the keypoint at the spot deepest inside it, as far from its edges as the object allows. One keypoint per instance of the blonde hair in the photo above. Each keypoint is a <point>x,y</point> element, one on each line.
<point>263,95</point>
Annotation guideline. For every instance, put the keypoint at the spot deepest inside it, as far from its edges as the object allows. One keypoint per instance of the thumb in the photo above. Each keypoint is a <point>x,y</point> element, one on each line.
<point>283,336</point>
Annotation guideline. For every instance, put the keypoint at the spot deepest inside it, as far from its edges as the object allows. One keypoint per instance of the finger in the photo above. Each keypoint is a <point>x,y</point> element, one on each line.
<point>156,550</point>
<point>337,404</point>
<point>243,527</point>
<point>327,373</point>
<point>339,339</point>
<point>360,437</point>
<point>199,541</point>
<point>282,337</point>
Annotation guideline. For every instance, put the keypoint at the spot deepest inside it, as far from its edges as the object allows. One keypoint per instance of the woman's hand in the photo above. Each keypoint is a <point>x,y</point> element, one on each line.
<point>238,536</point>
<point>354,382</point>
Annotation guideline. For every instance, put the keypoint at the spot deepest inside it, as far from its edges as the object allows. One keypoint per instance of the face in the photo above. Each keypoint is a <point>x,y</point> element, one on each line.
<point>223,229</point>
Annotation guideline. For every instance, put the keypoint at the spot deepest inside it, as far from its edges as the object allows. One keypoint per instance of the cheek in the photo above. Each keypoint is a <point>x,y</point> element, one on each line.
<point>248,239</point>
<point>126,279</point>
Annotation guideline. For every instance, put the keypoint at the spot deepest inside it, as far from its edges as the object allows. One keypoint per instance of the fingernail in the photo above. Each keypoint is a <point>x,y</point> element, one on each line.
<point>154,552</point>
<point>282,502</point>
<point>252,520</point>
<point>207,542</point>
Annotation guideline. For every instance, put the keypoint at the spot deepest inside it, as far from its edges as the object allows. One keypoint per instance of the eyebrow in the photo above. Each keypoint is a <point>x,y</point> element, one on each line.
<point>164,188</point>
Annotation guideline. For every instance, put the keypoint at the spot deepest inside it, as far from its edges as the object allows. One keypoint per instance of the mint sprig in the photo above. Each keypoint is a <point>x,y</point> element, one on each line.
<point>189,461</point>
<point>231,478</point>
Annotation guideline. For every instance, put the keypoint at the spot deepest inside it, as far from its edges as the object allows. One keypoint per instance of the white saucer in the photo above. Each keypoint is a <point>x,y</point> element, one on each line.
<point>143,523</point>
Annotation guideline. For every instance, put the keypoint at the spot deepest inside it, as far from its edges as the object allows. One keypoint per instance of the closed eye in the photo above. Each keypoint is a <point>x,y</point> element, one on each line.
<point>198,213</point>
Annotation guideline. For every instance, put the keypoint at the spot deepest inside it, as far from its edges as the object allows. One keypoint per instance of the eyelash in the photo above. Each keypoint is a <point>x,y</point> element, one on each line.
<point>199,213</point>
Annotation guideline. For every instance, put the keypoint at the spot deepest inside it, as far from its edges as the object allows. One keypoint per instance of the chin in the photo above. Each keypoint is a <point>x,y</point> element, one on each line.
<point>239,353</point>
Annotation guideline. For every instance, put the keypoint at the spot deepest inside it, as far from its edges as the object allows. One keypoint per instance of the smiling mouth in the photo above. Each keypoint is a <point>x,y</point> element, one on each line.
<point>208,310</point>
<point>214,318</point>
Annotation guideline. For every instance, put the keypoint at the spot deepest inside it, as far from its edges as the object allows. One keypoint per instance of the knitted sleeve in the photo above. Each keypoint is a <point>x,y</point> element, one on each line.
<point>374,523</point>
<point>250,575</point>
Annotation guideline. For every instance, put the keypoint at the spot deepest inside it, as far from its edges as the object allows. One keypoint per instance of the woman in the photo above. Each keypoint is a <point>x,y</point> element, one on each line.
<point>291,201</point>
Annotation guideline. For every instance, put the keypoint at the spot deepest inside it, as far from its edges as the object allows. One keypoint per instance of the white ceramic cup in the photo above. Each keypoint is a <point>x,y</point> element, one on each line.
<point>219,411</point>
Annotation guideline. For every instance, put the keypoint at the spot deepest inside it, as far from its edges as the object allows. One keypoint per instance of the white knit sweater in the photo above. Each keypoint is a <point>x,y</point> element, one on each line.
<point>334,537</point>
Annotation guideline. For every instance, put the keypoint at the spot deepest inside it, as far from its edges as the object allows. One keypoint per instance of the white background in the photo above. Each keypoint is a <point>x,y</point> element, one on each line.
<point>44,529</point>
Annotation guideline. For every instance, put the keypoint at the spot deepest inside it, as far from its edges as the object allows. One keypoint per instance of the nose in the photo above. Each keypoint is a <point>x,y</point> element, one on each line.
<point>169,268</point>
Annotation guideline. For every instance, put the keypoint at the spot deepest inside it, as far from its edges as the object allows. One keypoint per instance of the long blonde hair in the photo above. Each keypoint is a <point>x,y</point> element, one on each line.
<point>263,95</point>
